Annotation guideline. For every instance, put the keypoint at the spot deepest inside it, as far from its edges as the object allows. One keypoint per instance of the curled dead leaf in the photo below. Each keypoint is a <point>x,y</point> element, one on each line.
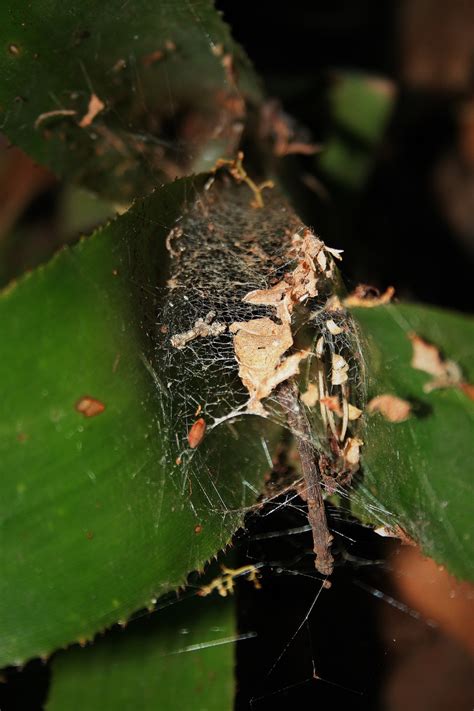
<point>393,408</point>
<point>367,297</point>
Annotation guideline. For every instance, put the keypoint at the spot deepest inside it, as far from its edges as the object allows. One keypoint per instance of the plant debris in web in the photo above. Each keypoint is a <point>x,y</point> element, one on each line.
<point>253,323</point>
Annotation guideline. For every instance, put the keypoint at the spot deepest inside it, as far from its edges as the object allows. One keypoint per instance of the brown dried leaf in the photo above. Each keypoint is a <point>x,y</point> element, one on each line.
<point>259,345</point>
<point>393,408</point>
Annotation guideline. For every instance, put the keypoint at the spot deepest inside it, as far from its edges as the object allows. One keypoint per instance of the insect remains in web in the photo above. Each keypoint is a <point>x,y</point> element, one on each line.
<point>254,324</point>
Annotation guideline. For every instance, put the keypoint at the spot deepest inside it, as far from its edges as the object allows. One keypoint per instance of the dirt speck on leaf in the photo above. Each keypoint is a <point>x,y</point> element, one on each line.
<point>89,406</point>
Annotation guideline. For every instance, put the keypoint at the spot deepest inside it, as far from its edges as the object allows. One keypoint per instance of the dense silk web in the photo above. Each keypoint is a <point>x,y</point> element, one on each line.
<point>221,250</point>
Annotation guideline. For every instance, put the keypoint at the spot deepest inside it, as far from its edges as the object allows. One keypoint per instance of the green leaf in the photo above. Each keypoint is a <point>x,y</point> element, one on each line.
<point>97,518</point>
<point>360,106</point>
<point>171,107</point>
<point>181,658</point>
<point>417,473</point>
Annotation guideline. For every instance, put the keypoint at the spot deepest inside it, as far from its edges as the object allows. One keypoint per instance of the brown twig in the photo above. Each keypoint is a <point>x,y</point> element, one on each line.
<point>297,420</point>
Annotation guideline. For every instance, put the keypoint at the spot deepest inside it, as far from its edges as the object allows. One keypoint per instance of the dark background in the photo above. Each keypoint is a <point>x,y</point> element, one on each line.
<point>411,226</point>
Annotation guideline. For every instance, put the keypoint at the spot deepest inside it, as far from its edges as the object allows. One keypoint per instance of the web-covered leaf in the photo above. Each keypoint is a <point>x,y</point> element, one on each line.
<point>97,520</point>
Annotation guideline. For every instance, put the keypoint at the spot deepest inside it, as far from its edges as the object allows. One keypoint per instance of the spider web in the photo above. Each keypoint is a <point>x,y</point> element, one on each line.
<point>221,250</point>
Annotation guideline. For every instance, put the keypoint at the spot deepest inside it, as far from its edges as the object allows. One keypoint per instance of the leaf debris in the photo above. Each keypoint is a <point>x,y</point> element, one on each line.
<point>260,344</point>
<point>203,328</point>
<point>367,297</point>
<point>340,369</point>
<point>94,108</point>
<point>393,408</point>
<point>351,452</point>
<point>225,583</point>
<point>426,357</point>
<point>58,113</point>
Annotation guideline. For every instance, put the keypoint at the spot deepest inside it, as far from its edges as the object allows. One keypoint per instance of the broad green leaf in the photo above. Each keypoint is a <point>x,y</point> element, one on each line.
<point>180,658</point>
<point>172,101</point>
<point>360,106</point>
<point>418,473</point>
<point>97,518</point>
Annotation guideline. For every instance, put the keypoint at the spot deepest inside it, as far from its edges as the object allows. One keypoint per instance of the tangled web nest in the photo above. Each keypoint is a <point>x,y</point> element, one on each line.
<point>254,301</point>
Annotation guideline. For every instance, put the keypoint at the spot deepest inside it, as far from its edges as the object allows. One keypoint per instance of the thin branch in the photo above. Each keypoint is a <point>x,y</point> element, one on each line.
<point>298,422</point>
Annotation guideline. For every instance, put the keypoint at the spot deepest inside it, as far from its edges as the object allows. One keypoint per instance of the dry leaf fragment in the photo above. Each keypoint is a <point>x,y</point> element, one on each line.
<point>393,408</point>
<point>259,345</point>
<point>339,369</point>
<point>333,328</point>
<point>311,396</point>
<point>351,451</point>
<point>94,108</point>
<point>395,531</point>
<point>335,252</point>
<point>354,412</point>
<point>426,357</point>
<point>203,328</point>
<point>196,433</point>
<point>368,297</point>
